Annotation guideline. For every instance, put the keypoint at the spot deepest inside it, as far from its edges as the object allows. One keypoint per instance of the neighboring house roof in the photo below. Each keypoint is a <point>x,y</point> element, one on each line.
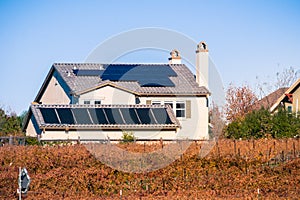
<point>104,116</point>
<point>139,79</point>
<point>290,90</point>
<point>269,100</point>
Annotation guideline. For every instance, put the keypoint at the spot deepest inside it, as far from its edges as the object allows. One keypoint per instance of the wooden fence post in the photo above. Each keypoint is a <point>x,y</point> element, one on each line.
<point>234,147</point>
<point>294,149</point>
<point>10,141</point>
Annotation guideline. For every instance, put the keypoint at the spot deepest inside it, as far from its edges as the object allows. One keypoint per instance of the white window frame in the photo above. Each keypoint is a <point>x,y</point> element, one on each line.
<point>169,103</point>
<point>174,104</point>
<point>180,109</point>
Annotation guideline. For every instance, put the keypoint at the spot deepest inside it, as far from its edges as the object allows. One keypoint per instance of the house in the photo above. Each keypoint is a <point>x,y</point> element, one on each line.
<point>289,100</point>
<point>269,100</point>
<point>286,98</point>
<point>100,101</point>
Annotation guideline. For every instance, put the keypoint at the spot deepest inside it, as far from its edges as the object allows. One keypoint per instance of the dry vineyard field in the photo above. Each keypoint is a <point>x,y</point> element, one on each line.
<point>242,169</point>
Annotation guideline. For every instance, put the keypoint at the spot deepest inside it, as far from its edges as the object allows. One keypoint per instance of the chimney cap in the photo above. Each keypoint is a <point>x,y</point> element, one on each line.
<point>202,47</point>
<point>175,54</point>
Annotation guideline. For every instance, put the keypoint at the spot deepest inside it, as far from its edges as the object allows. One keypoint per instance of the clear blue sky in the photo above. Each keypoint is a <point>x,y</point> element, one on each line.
<point>245,38</point>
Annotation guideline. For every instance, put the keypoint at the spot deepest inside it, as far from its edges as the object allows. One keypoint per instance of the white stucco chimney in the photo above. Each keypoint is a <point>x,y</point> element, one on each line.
<point>175,57</point>
<point>202,64</point>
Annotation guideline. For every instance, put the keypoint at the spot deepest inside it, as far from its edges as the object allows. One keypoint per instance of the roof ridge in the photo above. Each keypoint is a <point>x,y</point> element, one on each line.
<point>73,63</point>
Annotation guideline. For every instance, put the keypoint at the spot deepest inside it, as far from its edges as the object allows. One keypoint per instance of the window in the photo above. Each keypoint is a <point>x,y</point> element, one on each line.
<point>170,103</point>
<point>156,103</point>
<point>289,109</point>
<point>86,102</point>
<point>97,102</point>
<point>180,109</point>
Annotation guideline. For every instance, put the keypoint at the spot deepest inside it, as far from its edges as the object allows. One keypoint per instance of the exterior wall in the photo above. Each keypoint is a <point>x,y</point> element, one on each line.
<point>32,128</point>
<point>108,95</point>
<point>202,63</point>
<point>296,101</point>
<point>54,93</point>
<point>292,107</point>
<point>100,134</point>
<point>30,131</point>
<point>195,127</point>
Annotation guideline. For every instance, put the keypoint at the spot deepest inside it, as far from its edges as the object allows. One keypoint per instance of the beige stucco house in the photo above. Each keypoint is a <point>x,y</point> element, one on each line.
<point>100,101</point>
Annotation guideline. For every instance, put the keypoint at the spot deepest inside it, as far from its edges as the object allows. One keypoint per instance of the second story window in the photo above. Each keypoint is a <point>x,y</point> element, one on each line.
<point>180,109</point>
<point>97,102</point>
<point>156,103</point>
<point>87,102</point>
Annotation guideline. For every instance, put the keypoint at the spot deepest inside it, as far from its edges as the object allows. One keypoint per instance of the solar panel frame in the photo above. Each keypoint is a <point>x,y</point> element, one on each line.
<point>114,115</point>
<point>130,116</point>
<point>161,116</point>
<point>145,116</point>
<point>65,116</point>
<point>82,116</point>
<point>98,115</point>
<point>49,115</point>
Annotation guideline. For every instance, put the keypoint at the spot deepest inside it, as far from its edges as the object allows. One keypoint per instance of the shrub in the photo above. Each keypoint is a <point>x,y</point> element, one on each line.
<point>31,141</point>
<point>261,123</point>
<point>128,137</point>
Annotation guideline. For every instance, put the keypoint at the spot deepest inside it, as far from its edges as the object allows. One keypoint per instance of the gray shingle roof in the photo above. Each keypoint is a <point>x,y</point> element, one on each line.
<point>184,82</point>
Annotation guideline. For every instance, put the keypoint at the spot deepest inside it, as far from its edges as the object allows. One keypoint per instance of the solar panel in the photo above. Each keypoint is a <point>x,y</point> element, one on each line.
<point>81,115</point>
<point>130,116</point>
<point>146,75</point>
<point>161,116</point>
<point>145,116</point>
<point>65,115</point>
<point>88,72</point>
<point>98,116</point>
<point>49,115</point>
<point>113,115</point>
<point>105,116</point>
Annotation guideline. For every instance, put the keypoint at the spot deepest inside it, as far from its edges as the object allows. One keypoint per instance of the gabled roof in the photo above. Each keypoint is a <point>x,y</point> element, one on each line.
<point>181,82</point>
<point>290,90</point>
<point>104,117</point>
<point>269,100</point>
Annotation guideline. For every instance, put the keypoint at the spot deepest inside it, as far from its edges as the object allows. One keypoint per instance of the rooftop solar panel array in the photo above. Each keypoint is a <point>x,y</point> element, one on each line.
<point>105,116</point>
<point>145,75</point>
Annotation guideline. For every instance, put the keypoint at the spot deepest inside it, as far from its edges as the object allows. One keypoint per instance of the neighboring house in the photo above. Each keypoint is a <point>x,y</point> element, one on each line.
<point>100,101</point>
<point>289,100</point>
<point>268,101</point>
<point>286,98</point>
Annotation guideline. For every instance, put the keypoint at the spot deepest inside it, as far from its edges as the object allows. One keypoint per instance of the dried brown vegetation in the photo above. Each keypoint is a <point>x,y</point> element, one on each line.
<point>232,170</point>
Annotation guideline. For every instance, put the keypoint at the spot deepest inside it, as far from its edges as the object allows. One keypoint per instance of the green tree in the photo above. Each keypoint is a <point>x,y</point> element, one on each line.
<point>261,123</point>
<point>9,124</point>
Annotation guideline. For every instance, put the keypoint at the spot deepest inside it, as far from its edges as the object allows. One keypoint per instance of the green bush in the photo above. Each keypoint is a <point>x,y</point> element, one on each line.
<point>128,137</point>
<point>261,123</point>
<point>31,141</point>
